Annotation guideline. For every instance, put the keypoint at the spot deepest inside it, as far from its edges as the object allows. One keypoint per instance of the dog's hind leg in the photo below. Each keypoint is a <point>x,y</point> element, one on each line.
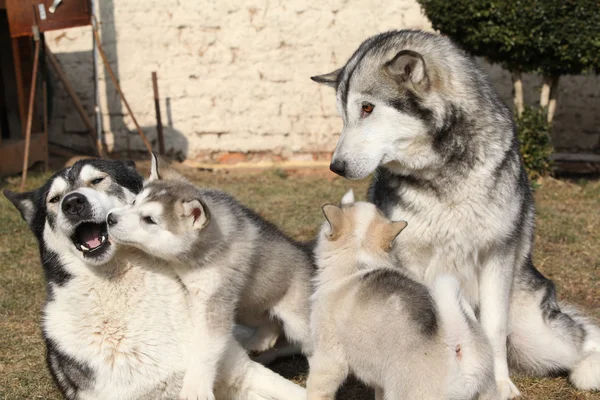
<point>266,332</point>
<point>328,370</point>
<point>280,350</point>
<point>241,378</point>
<point>546,339</point>
<point>294,312</point>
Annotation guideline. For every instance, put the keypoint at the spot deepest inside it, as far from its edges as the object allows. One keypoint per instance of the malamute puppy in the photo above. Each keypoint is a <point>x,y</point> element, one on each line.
<point>369,316</point>
<point>116,322</point>
<point>420,114</point>
<point>231,261</point>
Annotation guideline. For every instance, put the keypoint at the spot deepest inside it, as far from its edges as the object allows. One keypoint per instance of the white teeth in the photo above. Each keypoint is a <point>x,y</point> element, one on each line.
<point>103,239</point>
<point>84,248</point>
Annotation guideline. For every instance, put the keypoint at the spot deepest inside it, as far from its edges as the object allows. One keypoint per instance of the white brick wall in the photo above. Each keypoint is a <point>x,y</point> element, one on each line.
<point>237,73</point>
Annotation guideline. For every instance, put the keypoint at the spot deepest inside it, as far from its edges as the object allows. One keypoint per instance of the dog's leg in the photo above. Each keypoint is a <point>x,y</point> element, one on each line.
<point>546,339</point>
<point>327,373</point>
<point>294,312</point>
<point>213,314</point>
<point>243,379</point>
<point>265,336</point>
<point>494,291</point>
<point>281,350</point>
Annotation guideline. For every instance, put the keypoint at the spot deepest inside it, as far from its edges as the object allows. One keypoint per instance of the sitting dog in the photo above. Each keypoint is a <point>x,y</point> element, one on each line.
<point>370,317</point>
<point>230,260</point>
<point>117,323</point>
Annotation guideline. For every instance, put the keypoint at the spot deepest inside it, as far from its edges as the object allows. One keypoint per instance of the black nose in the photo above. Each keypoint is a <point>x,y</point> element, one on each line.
<point>111,219</point>
<point>339,167</point>
<point>74,203</point>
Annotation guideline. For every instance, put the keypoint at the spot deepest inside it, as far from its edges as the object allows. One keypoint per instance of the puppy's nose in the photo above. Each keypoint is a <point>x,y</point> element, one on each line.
<point>111,219</point>
<point>74,203</point>
<point>339,167</point>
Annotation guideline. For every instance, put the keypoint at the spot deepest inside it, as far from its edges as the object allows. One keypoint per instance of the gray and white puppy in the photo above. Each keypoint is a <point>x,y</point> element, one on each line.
<point>372,318</point>
<point>234,264</point>
<point>426,120</point>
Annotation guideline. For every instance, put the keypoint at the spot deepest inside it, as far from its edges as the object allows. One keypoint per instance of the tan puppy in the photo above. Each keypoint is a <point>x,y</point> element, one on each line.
<point>371,318</point>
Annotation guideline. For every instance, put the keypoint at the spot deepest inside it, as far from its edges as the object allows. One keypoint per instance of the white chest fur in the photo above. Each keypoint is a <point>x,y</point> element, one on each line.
<point>452,235</point>
<point>131,330</point>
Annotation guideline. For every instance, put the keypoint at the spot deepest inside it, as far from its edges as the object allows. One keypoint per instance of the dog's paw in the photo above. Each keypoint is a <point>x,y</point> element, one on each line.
<point>196,391</point>
<point>507,389</point>
<point>261,341</point>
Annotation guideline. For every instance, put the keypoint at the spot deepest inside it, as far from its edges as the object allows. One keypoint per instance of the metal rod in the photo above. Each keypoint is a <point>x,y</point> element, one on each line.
<point>71,92</point>
<point>159,127</point>
<point>36,59</point>
<point>120,92</point>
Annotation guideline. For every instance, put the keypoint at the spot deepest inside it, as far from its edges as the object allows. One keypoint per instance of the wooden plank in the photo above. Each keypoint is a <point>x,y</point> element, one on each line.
<point>23,14</point>
<point>576,157</point>
<point>76,101</point>
<point>12,153</point>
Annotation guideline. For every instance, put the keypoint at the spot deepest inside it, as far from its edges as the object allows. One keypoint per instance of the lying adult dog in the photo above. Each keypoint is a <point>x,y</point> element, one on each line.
<point>419,112</point>
<point>116,324</point>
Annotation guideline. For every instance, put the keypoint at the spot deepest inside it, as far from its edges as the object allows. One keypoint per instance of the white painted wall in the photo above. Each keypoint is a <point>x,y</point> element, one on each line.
<point>236,74</point>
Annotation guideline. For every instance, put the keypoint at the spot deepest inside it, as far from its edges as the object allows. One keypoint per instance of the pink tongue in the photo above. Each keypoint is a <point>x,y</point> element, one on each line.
<point>92,238</point>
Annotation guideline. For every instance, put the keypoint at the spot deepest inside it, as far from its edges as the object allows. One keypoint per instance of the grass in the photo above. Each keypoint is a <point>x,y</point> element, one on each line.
<point>567,250</point>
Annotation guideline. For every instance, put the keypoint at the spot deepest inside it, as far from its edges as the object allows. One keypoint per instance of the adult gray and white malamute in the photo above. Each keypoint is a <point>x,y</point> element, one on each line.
<point>116,322</point>
<point>443,146</point>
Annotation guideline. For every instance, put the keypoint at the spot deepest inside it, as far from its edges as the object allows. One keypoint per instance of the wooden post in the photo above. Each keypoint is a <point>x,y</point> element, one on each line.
<point>76,101</point>
<point>552,97</point>
<point>120,92</point>
<point>36,59</point>
<point>45,116</point>
<point>159,127</point>
<point>517,91</point>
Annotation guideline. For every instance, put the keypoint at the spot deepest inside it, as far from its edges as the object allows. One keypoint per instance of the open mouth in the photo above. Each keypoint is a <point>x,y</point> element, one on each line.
<point>91,238</point>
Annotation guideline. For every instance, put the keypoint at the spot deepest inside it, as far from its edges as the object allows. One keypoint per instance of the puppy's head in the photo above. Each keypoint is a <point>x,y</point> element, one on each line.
<point>165,220</point>
<point>358,228</point>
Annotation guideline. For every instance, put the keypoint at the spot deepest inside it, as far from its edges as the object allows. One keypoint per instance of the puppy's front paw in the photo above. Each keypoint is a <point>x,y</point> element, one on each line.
<point>195,390</point>
<point>261,342</point>
<point>507,389</point>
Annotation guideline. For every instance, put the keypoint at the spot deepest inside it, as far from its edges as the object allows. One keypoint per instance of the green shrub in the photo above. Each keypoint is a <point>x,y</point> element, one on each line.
<point>534,136</point>
<point>551,37</point>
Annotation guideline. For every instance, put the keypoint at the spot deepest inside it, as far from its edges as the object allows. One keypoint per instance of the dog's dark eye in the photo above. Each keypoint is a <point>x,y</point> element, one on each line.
<point>97,181</point>
<point>149,220</point>
<point>55,199</point>
<point>367,108</point>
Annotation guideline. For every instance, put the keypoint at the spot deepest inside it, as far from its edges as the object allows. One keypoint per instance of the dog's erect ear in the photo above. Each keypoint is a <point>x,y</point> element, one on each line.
<point>407,66</point>
<point>391,232</point>
<point>154,168</point>
<point>24,203</point>
<point>330,79</point>
<point>336,218</point>
<point>348,198</point>
<point>196,213</point>
<point>161,170</point>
